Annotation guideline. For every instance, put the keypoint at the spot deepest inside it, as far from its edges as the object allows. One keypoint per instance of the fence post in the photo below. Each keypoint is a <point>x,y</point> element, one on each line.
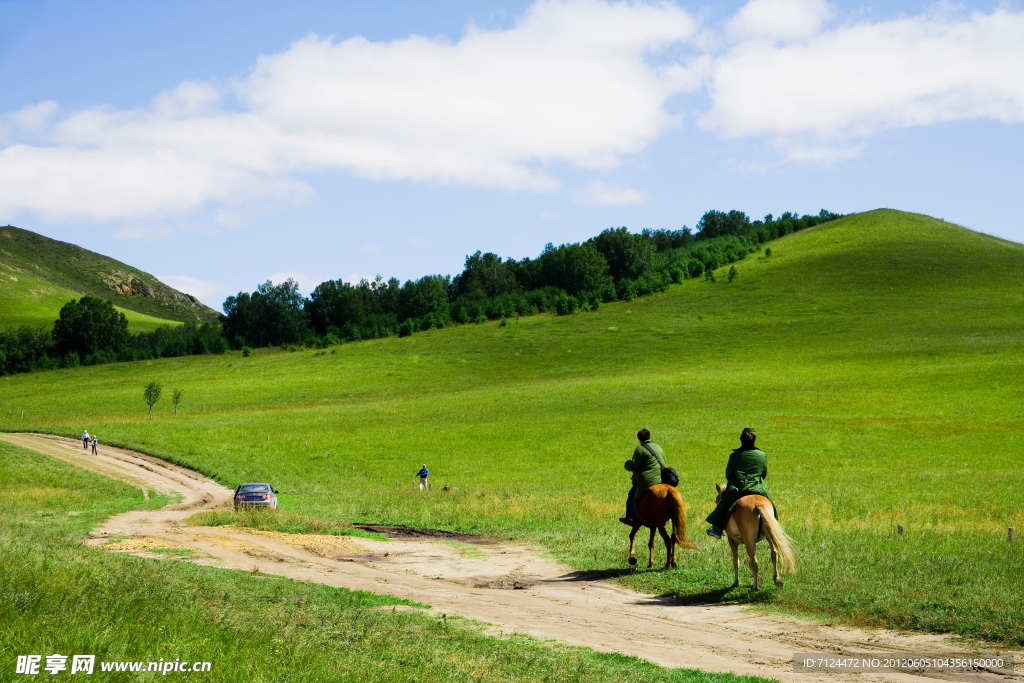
<point>1012,534</point>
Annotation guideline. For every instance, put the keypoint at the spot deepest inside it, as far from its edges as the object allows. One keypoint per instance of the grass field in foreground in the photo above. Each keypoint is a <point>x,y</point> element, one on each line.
<point>57,596</point>
<point>879,357</point>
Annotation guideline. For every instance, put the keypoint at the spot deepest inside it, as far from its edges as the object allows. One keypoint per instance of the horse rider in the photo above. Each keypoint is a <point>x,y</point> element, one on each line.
<point>646,464</point>
<point>745,473</point>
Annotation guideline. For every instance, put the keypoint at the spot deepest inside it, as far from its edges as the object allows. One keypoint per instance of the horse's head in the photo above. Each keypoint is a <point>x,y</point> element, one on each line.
<point>721,489</point>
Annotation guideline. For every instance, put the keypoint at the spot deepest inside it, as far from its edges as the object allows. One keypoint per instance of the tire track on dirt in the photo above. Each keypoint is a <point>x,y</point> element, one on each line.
<point>507,585</point>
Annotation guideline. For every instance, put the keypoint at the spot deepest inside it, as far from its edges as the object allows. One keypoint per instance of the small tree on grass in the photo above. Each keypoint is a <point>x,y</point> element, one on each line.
<point>733,273</point>
<point>176,399</point>
<point>768,252</point>
<point>709,275</point>
<point>151,394</point>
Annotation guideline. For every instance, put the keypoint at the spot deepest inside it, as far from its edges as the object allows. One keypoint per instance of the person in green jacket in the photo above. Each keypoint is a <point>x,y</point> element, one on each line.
<point>646,469</point>
<point>745,473</point>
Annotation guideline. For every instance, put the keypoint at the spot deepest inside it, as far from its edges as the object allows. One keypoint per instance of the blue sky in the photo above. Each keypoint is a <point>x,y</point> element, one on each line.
<point>216,145</point>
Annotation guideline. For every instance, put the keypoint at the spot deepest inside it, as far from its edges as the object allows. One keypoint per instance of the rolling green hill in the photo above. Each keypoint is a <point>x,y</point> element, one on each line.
<point>878,356</point>
<point>38,275</point>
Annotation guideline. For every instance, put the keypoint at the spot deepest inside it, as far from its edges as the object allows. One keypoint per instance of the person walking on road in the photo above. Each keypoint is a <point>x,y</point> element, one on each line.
<point>85,439</point>
<point>95,444</point>
<point>423,474</point>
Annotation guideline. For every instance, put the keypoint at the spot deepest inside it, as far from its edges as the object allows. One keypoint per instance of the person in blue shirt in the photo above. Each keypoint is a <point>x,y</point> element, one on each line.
<point>422,474</point>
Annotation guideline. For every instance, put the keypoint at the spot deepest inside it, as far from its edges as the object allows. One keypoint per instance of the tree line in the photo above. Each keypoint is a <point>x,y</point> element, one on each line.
<point>614,265</point>
<point>90,331</point>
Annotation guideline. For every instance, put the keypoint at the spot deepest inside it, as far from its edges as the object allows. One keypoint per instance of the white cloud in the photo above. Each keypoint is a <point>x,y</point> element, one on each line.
<point>838,86</point>
<point>578,83</point>
<point>29,119</point>
<point>570,82</point>
<point>599,193</point>
<point>210,293</point>
<point>779,19</point>
<point>171,158</point>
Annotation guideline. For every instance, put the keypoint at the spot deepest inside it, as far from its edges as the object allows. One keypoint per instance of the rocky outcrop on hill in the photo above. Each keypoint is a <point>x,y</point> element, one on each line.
<point>131,284</point>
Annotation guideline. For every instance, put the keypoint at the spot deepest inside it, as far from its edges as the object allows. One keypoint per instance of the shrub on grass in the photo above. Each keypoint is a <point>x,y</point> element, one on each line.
<point>566,304</point>
<point>627,290</point>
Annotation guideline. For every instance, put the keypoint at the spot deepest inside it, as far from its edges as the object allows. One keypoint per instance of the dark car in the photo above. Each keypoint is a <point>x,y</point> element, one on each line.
<point>256,495</point>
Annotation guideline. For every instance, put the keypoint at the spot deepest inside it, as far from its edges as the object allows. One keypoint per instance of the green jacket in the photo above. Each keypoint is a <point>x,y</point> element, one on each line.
<point>646,468</point>
<point>745,474</point>
<point>747,471</point>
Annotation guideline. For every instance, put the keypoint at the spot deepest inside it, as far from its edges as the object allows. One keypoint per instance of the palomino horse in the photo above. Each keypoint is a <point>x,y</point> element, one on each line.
<point>660,504</point>
<point>752,519</point>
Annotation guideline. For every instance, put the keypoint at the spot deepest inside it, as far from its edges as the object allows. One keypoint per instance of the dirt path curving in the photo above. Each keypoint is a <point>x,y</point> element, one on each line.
<point>505,584</point>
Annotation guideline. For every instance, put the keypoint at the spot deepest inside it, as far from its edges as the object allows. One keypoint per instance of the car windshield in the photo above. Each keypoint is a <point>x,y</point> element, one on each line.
<point>254,488</point>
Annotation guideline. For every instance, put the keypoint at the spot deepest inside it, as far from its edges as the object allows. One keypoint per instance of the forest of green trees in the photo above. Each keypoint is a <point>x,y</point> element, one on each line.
<point>614,265</point>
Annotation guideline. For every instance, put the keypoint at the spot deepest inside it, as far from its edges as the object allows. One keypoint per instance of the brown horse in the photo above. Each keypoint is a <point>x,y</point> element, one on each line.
<point>660,504</point>
<point>752,519</point>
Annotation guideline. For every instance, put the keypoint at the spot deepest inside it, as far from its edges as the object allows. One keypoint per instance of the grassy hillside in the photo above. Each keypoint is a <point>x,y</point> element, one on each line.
<point>27,299</point>
<point>876,356</point>
<point>38,275</point>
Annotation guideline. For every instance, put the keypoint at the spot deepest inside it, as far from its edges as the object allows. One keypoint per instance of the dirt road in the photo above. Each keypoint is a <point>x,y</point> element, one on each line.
<point>504,584</point>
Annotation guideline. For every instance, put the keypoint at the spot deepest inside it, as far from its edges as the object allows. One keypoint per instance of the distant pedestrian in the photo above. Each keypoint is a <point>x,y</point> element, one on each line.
<point>85,439</point>
<point>95,443</point>
<point>423,474</point>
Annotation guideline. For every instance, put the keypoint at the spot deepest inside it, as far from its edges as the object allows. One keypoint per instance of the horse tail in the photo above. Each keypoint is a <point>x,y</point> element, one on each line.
<point>679,521</point>
<point>778,539</point>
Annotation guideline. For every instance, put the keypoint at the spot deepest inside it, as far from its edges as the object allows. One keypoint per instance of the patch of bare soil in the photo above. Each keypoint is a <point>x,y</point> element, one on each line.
<point>508,585</point>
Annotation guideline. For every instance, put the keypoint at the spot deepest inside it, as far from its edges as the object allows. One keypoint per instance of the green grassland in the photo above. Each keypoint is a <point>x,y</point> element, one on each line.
<point>57,596</point>
<point>38,275</point>
<point>878,356</point>
<point>26,299</point>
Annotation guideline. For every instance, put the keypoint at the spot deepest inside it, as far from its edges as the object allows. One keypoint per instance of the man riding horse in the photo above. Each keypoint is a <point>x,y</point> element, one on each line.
<point>646,463</point>
<point>746,472</point>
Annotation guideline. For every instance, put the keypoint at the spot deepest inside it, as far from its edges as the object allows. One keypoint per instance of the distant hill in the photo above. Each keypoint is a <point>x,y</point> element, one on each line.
<point>38,275</point>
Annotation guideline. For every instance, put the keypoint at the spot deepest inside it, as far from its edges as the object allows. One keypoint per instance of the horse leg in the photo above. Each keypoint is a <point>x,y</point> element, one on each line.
<point>632,550</point>
<point>650,550</point>
<point>751,545</point>
<point>735,561</point>
<point>775,559</point>
<point>669,558</point>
